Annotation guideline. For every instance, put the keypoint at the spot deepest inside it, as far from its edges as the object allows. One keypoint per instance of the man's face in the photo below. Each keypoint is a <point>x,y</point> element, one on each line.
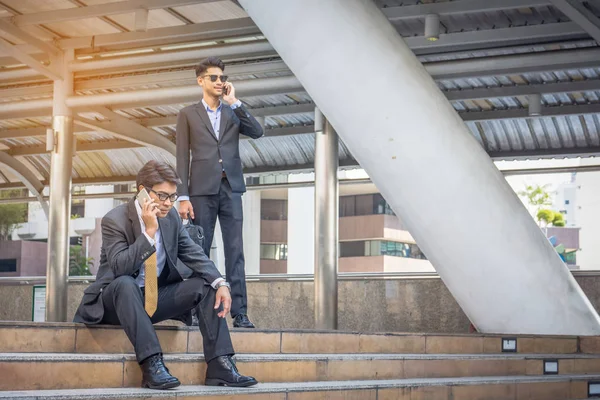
<point>214,89</point>
<point>163,190</point>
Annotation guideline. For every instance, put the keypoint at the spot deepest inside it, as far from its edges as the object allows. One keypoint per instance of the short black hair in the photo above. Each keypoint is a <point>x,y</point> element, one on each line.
<point>207,63</point>
<point>154,173</point>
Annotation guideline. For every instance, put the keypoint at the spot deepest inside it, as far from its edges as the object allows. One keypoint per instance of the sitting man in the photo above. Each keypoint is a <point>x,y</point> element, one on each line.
<point>138,285</point>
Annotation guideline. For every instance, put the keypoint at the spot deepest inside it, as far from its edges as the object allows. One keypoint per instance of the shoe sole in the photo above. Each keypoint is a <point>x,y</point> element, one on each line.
<point>164,386</point>
<point>221,382</point>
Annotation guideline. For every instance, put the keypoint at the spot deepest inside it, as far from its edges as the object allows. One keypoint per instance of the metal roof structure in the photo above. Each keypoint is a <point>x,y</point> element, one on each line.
<point>134,66</point>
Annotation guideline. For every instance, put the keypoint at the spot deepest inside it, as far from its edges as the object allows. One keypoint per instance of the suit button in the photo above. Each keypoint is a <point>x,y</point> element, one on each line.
<point>221,161</point>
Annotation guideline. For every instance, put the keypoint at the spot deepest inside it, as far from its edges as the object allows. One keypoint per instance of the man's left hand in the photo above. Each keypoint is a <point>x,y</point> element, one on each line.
<point>223,297</point>
<point>230,97</point>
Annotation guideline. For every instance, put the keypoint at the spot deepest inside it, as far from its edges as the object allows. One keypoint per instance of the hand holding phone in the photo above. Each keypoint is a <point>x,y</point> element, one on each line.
<point>149,211</point>
<point>225,89</point>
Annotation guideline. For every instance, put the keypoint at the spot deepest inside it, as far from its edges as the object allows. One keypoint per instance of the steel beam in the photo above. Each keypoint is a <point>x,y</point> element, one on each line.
<point>80,147</point>
<point>126,129</point>
<point>18,33</point>
<point>31,62</point>
<point>27,178</point>
<point>498,37</point>
<point>100,10</point>
<point>580,15</point>
<point>186,94</point>
<point>185,76</point>
<point>163,36</point>
<point>519,113</point>
<point>399,13</point>
<point>225,52</point>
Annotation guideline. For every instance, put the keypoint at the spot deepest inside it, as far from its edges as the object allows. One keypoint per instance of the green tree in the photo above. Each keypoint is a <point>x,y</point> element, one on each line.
<point>11,215</point>
<point>537,196</point>
<point>79,265</point>
<point>546,216</point>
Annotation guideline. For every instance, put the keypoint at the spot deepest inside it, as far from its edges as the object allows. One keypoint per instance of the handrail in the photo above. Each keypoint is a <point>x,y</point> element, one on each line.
<point>26,280</point>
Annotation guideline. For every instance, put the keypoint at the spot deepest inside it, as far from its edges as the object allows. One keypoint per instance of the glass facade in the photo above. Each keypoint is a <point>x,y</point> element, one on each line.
<point>273,251</point>
<point>368,248</point>
<point>273,210</point>
<point>364,204</point>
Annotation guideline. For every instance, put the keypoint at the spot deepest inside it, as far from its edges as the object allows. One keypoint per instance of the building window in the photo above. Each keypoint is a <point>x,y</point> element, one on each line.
<point>8,265</point>
<point>273,251</point>
<point>365,204</point>
<point>273,210</point>
<point>77,206</point>
<point>370,248</point>
<point>566,202</point>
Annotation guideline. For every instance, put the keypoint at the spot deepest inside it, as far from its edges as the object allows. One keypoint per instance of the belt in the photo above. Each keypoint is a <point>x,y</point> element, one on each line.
<point>223,174</point>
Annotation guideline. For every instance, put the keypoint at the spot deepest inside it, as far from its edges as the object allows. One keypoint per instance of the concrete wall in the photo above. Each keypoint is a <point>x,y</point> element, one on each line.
<point>393,305</point>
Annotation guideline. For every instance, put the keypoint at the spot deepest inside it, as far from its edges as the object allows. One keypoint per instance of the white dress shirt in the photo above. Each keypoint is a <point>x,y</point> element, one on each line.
<point>161,256</point>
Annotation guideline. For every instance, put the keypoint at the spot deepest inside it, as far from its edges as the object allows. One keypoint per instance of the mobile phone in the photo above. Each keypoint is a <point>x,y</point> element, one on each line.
<point>225,90</point>
<point>143,195</point>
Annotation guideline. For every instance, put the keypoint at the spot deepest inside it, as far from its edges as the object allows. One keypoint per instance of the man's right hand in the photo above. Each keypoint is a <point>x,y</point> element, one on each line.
<point>149,212</point>
<point>185,208</point>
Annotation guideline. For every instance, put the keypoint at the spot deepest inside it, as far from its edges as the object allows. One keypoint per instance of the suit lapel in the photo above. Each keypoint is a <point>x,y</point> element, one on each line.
<point>135,220</point>
<point>225,117</point>
<point>204,117</point>
<point>168,234</point>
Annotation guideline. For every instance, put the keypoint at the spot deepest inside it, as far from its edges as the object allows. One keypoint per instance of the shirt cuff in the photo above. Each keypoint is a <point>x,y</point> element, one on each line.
<point>216,282</point>
<point>236,105</point>
<point>183,198</point>
<point>152,241</point>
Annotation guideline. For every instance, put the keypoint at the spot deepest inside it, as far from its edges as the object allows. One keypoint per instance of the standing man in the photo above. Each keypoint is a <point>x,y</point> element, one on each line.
<point>213,183</point>
<point>138,284</point>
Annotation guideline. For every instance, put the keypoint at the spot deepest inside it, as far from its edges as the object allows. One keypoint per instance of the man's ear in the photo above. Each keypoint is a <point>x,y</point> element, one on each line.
<point>200,81</point>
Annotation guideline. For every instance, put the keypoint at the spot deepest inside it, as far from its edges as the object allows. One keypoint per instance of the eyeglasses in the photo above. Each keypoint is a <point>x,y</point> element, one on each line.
<point>213,78</point>
<point>164,196</point>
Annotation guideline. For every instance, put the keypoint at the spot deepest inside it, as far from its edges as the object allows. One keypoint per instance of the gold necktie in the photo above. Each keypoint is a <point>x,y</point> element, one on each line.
<point>151,284</point>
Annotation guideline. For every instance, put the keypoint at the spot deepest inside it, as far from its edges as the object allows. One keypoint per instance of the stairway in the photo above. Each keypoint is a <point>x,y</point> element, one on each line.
<point>70,361</point>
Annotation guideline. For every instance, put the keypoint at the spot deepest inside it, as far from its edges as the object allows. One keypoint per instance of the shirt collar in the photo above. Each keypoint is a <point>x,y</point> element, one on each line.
<point>210,109</point>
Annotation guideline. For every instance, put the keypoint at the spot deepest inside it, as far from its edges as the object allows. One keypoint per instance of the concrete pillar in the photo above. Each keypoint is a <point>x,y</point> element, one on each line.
<point>251,231</point>
<point>57,270</point>
<point>301,226</point>
<point>326,224</point>
<point>391,115</point>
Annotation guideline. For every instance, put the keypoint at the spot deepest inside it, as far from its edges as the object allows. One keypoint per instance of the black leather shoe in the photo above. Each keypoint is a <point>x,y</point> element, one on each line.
<point>242,321</point>
<point>222,371</point>
<point>156,375</point>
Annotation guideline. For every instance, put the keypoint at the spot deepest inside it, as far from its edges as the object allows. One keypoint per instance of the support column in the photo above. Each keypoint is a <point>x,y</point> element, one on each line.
<point>251,231</point>
<point>402,130</point>
<point>326,224</point>
<point>61,142</point>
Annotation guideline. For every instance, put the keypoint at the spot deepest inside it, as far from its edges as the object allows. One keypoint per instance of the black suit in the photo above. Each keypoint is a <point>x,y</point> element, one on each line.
<point>215,182</point>
<point>115,297</point>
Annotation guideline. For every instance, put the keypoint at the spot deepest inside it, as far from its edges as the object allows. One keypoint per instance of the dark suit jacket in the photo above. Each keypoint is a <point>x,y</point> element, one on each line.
<point>124,249</point>
<point>210,156</point>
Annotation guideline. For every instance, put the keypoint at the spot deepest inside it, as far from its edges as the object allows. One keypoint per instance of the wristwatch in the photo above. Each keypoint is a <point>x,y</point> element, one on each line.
<point>223,283</point>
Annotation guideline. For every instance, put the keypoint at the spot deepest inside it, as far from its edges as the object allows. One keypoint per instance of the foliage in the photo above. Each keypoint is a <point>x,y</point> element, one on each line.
<point>79,265</point>
<point>537,196</point>
<point>11,215</point>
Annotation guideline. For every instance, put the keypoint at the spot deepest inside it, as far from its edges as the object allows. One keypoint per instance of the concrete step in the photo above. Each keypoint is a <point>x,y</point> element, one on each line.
<point>77,338</point>
<point>566,387</point>
<point>39,371</point>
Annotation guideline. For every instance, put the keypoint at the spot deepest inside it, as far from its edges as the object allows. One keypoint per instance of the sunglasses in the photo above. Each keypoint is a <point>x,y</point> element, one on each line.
<point>213,78</point>
<point>164,196</point>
